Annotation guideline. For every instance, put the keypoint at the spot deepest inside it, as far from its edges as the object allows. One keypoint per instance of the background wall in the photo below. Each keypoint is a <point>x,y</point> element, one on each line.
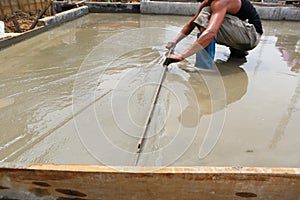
<point>11,6</point>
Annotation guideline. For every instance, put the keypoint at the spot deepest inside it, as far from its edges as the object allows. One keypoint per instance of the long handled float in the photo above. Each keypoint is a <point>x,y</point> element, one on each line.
<point>155,97</point>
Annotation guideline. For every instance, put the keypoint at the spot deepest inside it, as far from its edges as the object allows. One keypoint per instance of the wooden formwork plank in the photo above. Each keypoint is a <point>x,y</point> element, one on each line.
<point>1,9</point>
<point>42,4</point>
<point>100,182</point>
<point>11,7</point>
<point>28,5</point>
<point>35,6</point>
<point>49,3</point>
<point>16,24</point>
<point>21,5</point>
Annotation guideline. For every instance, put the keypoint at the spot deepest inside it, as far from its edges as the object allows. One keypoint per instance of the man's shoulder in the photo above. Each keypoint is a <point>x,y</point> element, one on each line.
<point>232,6</point>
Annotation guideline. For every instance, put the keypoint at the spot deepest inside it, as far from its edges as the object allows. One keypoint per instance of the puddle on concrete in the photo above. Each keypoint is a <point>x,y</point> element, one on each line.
<point>82,93</point>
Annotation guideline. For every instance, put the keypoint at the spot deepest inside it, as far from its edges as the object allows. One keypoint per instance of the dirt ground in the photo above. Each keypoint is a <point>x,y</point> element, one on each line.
<point>21,19</point>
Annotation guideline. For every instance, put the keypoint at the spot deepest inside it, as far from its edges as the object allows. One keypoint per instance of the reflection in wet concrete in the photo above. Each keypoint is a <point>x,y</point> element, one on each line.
<point>184,100</point>
<point>286,118</point>
<point>289,48</point>
<point>256,110</point>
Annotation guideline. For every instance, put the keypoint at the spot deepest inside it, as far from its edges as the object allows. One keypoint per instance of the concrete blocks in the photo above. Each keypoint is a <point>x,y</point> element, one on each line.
<point>180,8</point>
<point>100,7</point>
<point>279,13</point>
<point>65,16</point>
<point>169,8</point>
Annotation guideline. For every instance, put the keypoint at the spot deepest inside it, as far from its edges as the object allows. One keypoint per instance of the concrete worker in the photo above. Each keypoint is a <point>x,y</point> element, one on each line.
<point>234,23</point>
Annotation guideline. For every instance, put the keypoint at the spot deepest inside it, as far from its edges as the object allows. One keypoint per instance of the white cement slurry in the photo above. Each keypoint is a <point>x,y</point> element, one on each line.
<point>81,94</point>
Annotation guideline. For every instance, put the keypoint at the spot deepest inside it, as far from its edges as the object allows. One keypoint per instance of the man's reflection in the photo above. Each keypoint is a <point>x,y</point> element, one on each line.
<point>199,95</point>
<point>289,47</point>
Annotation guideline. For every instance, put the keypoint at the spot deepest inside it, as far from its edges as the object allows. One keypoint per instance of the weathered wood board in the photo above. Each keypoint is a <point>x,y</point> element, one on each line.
<point>99,182</point>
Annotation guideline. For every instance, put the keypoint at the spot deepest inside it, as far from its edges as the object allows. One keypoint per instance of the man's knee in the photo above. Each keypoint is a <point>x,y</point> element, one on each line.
<point>203,18</point>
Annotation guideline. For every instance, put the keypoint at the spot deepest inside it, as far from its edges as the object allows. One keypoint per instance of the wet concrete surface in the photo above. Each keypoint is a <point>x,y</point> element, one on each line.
<point>82,93</point>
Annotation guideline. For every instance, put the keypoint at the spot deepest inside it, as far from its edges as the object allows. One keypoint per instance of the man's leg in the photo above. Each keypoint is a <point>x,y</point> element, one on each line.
<point>239,35</point>
<point>235,53</point>
<point>205,57</point>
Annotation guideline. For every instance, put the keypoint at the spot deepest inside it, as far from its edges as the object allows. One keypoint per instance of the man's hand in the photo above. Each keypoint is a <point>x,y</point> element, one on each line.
<point>170,45</point>
<point>173,58</point>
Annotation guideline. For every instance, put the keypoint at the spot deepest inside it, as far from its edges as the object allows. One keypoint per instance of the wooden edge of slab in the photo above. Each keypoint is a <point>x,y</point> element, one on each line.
<point>137,169</point>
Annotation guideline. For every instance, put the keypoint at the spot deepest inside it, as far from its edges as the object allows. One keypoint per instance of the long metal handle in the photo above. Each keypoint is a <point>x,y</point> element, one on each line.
<point>162,77</point>
<point>166,62</point>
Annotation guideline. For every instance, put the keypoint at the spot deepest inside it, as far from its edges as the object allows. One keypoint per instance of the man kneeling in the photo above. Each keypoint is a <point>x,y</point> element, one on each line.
<point>234,23</point>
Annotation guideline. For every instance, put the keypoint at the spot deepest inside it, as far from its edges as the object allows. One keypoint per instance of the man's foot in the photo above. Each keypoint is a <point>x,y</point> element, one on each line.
<point>235,53</point>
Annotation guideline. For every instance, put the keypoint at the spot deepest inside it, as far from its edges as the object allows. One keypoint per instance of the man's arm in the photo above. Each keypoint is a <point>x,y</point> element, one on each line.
<point>188,27</point>
<point>218,9</point>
